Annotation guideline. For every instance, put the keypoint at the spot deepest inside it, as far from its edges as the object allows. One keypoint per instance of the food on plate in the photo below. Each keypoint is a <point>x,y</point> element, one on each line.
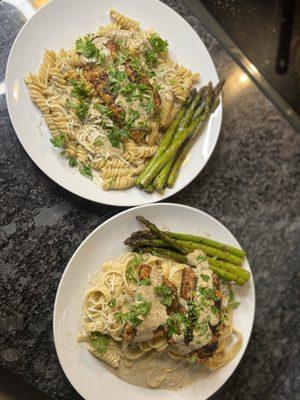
<point>108,101</point>
<point>161,313</point>
<point>163,168</point>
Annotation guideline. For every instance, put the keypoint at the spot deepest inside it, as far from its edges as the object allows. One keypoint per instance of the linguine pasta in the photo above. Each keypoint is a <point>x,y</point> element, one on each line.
<point>129,323</point>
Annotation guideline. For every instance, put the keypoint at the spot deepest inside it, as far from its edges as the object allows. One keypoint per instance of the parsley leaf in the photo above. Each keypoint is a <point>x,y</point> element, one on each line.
<point>137,310</point>
<point>214,310</point>
<point>201,258</point>
<point>135,65</point>
<point>104,110</point>
<point>207,293</point>
<point>202,328</point>
<point>79,88</point>
<point>86,170</point>
<point>174,322</point>
<point>135,262</point>
<point>58,141</point>
<point>112,303</point>
<point>81,108</point>
<point>132,115</point>
<point>165,293</point>
<point>72,161</point>
<point>193,359</point>
<point>157,43</point>
<point>119,316</point>
<point>122,56</point>
<point>144,282</point>
<point>86,47</point>
<point>116,79</point>
<point>205,277</point>
<point>150,57</point>
<point>99,342</point>
<point>130,274</point>
<point>116,136</point>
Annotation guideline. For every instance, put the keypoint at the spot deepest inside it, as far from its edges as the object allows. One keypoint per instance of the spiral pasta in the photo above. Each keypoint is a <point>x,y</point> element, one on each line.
<point>108,100</point>
<point>124,22</point>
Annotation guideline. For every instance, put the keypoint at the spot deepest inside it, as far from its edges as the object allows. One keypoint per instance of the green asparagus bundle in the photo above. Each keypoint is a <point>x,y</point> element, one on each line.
<point>224,260</point>
<point>163,168</point>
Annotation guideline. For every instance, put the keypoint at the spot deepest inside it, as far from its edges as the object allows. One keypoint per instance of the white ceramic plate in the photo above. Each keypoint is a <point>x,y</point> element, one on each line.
<point>58,24</point>
<point>84,371</point>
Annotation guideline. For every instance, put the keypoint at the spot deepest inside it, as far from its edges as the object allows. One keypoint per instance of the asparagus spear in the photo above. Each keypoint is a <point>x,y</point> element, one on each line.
<point>168,136</point>
<point>208,242</point>
<point>159,162</point>
<point>149,188</point>
<point>186,246</point>
<point>228,267</point>
<point>148,235</point>
<point>173,174</point>
<point>161,235</point>
<point>162,177</point>
<point>224,274</point>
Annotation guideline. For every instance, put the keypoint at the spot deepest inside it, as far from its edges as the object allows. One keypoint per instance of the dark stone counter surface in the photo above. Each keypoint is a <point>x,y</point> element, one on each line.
<point>251,184</point>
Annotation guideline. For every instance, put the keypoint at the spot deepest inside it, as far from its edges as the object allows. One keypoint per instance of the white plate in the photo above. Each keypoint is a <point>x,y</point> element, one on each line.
<point>84,371</point>
<point>58,24</point>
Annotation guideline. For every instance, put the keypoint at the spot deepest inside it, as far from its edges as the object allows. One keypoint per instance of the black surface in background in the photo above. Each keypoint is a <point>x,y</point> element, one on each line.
<point>255,26</point>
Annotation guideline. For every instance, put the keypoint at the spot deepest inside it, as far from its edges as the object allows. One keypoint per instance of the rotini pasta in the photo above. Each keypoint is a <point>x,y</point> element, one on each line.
<point>108,100</point>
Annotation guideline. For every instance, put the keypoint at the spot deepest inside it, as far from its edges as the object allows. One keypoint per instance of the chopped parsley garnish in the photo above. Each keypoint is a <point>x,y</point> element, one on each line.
<point>132,115</point>
<point>208,293</point>
<point>157,43</point>
<point>81,108</point>
<point>99,342</point>
<point>165,293</point>
<point>201,258</point>
<point>116,79</point>
<point>205,277</point>
<point>202,328</point>
<point>122,56</point>
<point>193,359</point>
<point>150,57</point>
<point>214,309</point>
<point>87,48</point>
<point>86,170</point>
<point>79,88</point>
<point>112,303</point>
<point>58,141</point>
<point>135,311</point>
<point>135,65</point>
<point>116,136</point>
<point>119,316</point>
<point>135,262</point>
<point>193,311</point>
<point>72,161</point>
<point>150,106</point>
<point>139,297</point>
<point>130,274</point>
<point>144,282</point>
<point>174,322</point>
<point>104,110</point>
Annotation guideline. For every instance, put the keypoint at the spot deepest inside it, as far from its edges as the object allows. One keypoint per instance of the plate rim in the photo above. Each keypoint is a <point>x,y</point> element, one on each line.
<point>167,194</point>
<point>68,266</point>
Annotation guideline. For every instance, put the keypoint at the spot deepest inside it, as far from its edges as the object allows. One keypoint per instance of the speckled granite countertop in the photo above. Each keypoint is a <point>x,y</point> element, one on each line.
<point>251,184</point>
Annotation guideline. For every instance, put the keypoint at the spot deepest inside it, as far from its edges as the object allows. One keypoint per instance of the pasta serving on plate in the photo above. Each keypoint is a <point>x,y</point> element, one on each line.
<point>107,101</point>
<point>155,321</point>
